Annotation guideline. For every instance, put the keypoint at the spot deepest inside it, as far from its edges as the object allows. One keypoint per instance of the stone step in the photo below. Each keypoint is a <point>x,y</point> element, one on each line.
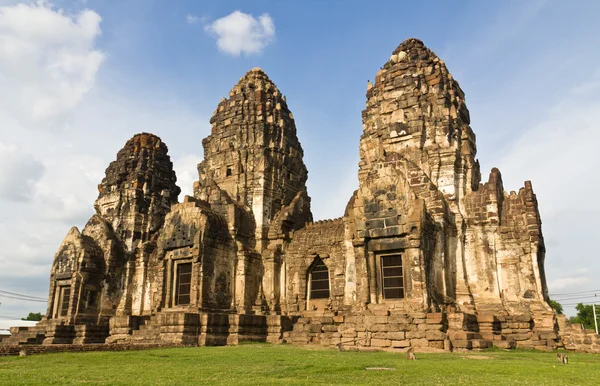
<point>146,331</point>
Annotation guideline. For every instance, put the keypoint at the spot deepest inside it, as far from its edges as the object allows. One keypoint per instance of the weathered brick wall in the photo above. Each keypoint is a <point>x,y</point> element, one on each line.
<point>575,337</point>
<point>506,229</point>
<point>323,239</point>
<point>6,350</point>
<point>194,233</point>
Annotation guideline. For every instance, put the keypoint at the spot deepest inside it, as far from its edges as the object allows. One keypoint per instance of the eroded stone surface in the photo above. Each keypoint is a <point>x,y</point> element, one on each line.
<point>253,152</point>
<point>138,190</point>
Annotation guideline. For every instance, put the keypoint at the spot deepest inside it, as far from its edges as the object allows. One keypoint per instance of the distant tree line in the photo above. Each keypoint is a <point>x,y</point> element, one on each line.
<point>585,314</point>
<point>34,316</point>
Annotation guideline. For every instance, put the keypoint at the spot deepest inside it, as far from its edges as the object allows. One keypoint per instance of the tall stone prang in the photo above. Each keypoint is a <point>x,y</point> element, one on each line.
<point>416,130</point>
<point>253,152</point>
<point>479,247</point>
<point>138,190</point>
<point>424,256</point>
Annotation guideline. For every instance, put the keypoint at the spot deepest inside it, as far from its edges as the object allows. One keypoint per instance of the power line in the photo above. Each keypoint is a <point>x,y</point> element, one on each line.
<point>574,293</point>
<point>592,294</point>
<point>21,295</point>
<point>577,297</point>
<point>574,304</point>
<point>9,317</point>
<point>20,298</point>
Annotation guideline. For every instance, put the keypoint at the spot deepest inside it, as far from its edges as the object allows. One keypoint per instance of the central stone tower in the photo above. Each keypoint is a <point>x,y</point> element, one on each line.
<point>253,153</point>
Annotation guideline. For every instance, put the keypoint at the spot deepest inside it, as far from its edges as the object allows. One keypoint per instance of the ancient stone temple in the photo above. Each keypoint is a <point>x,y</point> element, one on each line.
<point>425,255</point>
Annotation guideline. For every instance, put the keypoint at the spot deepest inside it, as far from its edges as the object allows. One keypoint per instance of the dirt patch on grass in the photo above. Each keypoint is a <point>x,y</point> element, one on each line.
<point>477,357</point>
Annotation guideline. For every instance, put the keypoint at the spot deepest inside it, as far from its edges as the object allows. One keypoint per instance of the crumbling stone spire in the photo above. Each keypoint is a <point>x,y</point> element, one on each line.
<point>138,190</point>
<point>253,152</point>
<point>416,108</point>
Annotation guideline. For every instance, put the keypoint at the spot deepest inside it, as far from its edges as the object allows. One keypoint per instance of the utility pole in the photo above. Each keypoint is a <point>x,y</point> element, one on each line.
<point>595,319</point>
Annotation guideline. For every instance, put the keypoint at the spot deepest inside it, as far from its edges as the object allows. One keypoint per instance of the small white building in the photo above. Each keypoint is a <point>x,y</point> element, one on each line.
<point>6,324</point>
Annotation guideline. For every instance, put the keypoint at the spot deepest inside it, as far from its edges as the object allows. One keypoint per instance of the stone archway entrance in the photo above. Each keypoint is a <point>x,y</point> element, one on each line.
<point>318,285</point>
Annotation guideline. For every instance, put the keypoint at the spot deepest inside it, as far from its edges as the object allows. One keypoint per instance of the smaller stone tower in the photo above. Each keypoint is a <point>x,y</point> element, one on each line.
<point>138,190</point>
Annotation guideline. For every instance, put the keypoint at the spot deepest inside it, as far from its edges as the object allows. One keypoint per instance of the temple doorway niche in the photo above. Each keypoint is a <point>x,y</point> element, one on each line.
<point>184,284</point>
<point>61,301</point>
<point>318,285</point>
<point>392,276</point>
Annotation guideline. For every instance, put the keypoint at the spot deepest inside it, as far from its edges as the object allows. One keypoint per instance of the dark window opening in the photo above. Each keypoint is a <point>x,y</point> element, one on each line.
<point>319,280</point>
<point>392,277</point>
<point>91,299</point>
<point>184,281</point>
<point>229,172</point>
<point>65,294</point>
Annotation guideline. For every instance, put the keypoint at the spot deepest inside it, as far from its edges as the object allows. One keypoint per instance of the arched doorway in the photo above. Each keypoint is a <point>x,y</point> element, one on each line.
<point>318,285</point>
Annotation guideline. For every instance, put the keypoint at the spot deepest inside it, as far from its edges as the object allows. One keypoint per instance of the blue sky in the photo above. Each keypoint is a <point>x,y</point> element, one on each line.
<point>530,71</point>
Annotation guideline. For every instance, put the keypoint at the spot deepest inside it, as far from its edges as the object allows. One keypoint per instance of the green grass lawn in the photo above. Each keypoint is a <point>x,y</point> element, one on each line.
<point>256,364</point>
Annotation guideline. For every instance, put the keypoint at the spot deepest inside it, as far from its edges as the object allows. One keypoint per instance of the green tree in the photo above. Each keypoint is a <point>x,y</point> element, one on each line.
<point>585,315</point>
<point>37,316</point>
<point>557,306</point>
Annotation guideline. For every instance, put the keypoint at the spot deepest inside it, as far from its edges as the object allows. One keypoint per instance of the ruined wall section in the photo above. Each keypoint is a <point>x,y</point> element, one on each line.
<point>193,233</point>
<point>387,217</point>
<point>78,268</point>
<point>484,209</point>
<point>504,244</point>
<point>115,263</point>
<point>290,218</point>
<point>253,152</point>
<point>323,240</point>
<point>240,218</point>
<point>281,231</point>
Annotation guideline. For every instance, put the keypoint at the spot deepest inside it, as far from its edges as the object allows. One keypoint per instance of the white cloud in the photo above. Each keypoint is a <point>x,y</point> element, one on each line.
<point>48,64</point>
<point>569,282</point>
<point>48,60</point>
<point>193,19</point>
<point>240,32</point>
<point>559,154</point>
<point>187,173</point>
<point>67,192</point>
<point>19,173</point>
